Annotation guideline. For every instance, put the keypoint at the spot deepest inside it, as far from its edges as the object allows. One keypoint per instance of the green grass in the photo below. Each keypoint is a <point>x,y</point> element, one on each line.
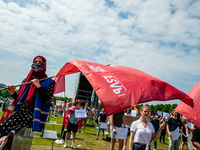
<point>86,139</point>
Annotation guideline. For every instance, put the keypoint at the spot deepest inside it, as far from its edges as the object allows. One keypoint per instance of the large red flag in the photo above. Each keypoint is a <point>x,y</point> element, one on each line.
<point>60,84</point>
<point>192,114</point>
<point>121,87</point>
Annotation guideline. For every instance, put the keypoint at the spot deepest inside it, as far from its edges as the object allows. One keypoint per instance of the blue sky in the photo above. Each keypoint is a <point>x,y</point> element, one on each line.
<point>160,38</point>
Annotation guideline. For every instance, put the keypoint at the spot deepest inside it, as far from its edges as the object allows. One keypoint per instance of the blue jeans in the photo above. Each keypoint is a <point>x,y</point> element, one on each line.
<point>99,129</point>
<point>155,144</point>
<point>137,146</point>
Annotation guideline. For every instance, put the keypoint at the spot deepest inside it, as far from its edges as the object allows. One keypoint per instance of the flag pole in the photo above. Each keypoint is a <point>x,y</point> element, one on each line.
<point>160,127</point>
<point>27,83</point>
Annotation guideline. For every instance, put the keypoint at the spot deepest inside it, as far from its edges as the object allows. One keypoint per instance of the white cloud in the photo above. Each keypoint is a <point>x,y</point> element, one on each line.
<point>158,37</point>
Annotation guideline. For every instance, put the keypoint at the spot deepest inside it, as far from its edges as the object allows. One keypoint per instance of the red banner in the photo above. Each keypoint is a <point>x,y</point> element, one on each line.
<point>60,84</point>
<point>192,114</point>
<point>6,114</point>
<point>121,87</point>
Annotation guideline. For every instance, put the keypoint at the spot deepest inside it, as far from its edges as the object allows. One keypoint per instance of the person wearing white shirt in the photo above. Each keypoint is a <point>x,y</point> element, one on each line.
<point>142,131</point>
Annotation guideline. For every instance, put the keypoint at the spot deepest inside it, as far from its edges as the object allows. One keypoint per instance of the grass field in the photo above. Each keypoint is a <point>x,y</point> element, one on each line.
<point>87,140</point>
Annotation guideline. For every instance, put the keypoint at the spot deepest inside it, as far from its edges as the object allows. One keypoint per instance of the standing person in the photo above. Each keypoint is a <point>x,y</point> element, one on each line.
<point>31,100</point>
<point>73,123</point>
<point>163,132</point>
<point>86,118</point>
<point>127,113</point>
<point>102,118</point>
<point>196,138</point>
<point>108,126</point>
<point>155,123</point>
<point>184,137</point>
<point>116,121</point>
<point>142,131</point>
<point>172,125</point>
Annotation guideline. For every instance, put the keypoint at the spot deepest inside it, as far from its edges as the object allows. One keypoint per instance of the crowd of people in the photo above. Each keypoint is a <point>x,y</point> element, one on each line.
<point>142,132</point>
<point>5,103</point>
<point>35,98</point>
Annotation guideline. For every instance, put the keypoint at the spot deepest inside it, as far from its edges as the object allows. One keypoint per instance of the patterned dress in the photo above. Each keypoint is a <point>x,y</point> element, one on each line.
<point>24,117</point>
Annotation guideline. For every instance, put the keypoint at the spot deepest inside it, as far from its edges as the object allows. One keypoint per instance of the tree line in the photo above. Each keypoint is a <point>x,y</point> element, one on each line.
<point>159,107</point>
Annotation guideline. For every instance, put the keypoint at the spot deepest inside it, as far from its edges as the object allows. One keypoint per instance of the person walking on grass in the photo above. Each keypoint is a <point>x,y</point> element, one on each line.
<point>73,123</point>
<point>102,118</point>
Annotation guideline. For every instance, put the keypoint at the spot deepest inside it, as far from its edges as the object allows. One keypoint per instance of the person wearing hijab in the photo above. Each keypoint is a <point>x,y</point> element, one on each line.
<point>32,102</point>
<point>142,131</point>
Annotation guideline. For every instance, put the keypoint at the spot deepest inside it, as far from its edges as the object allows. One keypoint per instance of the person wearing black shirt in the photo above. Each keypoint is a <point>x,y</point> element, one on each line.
<point>184,136</point>
<point>116,121</point>
<point>196,138</point>
<point>172,125</point>
<point>155,123</point>
<point>102,118</point>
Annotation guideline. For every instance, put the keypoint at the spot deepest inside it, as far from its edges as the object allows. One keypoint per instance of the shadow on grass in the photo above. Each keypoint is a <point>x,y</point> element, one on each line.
<point>79,139</point>
<point>91,134</point>
<point>82,149</point>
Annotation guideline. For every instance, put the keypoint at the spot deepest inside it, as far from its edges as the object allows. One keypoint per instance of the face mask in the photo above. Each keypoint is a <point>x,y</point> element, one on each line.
<point>37,67</point>
<point>176,115</point>
<point>156,117</point>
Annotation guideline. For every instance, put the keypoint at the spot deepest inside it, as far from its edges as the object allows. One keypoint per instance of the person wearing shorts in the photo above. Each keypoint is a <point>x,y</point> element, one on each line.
<point>172,124</point>
<point>73,123</point>
<point>102,118</point>
<point>116,121</point>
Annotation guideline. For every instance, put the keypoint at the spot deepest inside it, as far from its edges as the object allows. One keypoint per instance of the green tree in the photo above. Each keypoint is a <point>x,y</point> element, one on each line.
<point>171,109</point>
<point>165,108</point>
<point>152,108</point>
<point>100,105</point>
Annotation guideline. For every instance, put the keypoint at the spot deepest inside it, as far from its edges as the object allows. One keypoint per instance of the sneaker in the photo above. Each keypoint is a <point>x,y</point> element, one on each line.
<point>97,138</point>
<point>103,139</point>
<point>82,131</point>
<point>65,146</point>
<point>73,146</point>
<point>124,148</point>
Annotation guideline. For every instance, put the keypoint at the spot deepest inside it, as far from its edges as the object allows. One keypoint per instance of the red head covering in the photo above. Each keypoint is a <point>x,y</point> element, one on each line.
<point>33,90</point>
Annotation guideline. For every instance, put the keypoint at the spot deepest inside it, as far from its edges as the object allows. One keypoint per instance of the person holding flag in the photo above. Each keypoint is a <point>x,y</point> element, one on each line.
<point>30,101</point>
<point>73,123</point>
